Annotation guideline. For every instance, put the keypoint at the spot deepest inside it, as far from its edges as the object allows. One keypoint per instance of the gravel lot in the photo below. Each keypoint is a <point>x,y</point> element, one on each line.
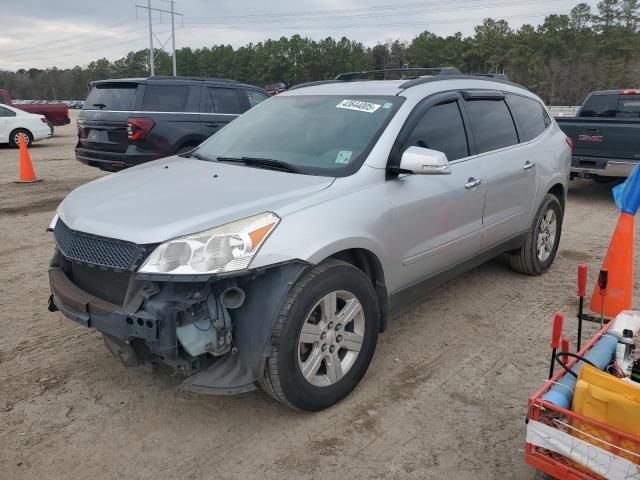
<point>445,397</point>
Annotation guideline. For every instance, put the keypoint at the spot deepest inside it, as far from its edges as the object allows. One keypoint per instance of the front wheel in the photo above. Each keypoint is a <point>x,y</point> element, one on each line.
<point>324,338</point>
<point>541,243</point>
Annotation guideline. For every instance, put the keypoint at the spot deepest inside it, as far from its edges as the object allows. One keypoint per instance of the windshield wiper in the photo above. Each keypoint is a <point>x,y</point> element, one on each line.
<point>192,154</point>
<point>99,105</point>
<point>261,162</point>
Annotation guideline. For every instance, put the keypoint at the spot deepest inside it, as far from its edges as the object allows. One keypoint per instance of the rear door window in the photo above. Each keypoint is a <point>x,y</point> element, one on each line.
<point>5,112</point>
<point>255,97</point>
<point>222,100</point>
<point>530,116</point>
<point>165,98</point>
<point>441,128</point>
<point>600,106</point>
<point>117,97</point>
<point>629,106</point>
<point>492,125</point>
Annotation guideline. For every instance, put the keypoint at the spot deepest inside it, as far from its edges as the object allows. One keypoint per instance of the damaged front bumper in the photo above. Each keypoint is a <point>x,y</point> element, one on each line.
<point>183,324</point>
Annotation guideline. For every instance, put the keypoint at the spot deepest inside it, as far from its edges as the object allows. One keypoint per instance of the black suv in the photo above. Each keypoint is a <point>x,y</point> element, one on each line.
<point>131,121</point>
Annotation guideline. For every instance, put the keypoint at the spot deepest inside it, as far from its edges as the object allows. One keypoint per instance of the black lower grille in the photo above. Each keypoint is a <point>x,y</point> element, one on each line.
<point>109,285</point>
<point>95,250</point>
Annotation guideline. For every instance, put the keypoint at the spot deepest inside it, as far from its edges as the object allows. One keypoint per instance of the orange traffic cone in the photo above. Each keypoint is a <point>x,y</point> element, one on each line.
<point>27,174</point>
<point>619,263</point>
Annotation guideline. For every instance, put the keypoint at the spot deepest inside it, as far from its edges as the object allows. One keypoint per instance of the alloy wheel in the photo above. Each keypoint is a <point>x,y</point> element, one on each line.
<point>547,235</point>
<point>331,338</point>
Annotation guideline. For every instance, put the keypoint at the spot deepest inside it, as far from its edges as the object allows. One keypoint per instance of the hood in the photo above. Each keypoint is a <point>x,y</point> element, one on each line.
<point>177,196</point>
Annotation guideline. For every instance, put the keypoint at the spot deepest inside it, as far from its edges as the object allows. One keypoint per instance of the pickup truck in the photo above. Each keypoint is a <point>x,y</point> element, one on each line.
<point>605,134</point>
<point>55,113</point>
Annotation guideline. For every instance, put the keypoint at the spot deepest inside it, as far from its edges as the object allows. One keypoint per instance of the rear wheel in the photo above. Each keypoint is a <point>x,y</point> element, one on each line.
<point>14,137</point>
<point>324,338</point>
<point>541,244</point>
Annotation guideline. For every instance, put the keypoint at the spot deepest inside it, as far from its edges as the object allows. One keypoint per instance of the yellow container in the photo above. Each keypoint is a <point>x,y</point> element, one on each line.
<point>607,399</point>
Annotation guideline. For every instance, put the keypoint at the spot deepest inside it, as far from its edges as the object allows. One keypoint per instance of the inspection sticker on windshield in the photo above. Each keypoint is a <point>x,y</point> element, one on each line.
<point>358,106</point>
<point>344,156</point>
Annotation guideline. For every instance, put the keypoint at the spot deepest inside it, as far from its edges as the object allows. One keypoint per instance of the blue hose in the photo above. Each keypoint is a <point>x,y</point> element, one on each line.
<point>601,354</point>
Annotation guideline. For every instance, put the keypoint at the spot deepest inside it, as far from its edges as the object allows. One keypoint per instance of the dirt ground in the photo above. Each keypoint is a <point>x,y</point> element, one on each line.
<point>445,396</point>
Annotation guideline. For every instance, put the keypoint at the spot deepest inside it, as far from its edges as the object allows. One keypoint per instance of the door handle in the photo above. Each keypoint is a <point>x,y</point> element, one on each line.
<point>472,183</point>
<point>212,124</point>
<point>528,165</point>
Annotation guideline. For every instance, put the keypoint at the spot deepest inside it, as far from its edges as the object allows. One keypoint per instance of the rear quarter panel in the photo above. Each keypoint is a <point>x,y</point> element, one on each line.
<point>556,168</point>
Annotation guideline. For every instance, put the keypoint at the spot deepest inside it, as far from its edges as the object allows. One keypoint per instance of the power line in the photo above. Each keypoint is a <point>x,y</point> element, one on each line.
<point>386,24</point>
<point>297,14</point>
<point>199,21</point>
<point>64,39</point>
<point>104,47</point>
<point>77,43</point>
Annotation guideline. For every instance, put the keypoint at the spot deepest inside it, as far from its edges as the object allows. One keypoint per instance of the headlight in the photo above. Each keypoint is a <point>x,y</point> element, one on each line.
<point>52,225</point>
<point>226,248</point>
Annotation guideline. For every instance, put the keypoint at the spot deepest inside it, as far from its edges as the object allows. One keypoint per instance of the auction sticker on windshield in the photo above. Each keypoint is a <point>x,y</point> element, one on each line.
<point>344,156</point>
<point>358,106</point>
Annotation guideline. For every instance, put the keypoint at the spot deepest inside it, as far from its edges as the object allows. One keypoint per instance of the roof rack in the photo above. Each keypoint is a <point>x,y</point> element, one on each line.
<point>497,76</point>
<point>493,78</point>
<point>196,79</point>
<point>313,84</point>
<point>382,74</point>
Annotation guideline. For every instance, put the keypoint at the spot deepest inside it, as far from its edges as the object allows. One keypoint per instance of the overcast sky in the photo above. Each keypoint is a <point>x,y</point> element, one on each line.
<point>64,33</point>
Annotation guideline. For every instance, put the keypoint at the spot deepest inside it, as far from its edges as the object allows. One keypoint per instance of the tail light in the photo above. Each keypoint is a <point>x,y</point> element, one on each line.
<point>138,128</point>
<point>629,91</point>
<point>570,143</point>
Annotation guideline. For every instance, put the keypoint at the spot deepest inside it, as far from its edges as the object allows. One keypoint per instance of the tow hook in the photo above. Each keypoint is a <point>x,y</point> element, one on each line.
<point>52,305</point>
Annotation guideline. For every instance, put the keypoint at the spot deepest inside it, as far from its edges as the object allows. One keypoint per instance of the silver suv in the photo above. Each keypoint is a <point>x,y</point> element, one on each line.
<point>273,254</point>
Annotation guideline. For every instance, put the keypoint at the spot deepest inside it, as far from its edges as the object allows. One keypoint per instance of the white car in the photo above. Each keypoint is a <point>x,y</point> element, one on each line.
<point>14,122</point>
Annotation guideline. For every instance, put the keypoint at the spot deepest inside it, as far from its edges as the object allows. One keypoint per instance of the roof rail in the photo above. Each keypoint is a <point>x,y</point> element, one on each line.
<point>313,84</point>
<point>197,79</point>
<point>420,81</point>
<point>416,71</point>
<point>497,76</point>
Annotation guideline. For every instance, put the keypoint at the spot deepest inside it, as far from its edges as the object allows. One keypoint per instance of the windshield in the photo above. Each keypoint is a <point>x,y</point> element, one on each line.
<point>314,134</point>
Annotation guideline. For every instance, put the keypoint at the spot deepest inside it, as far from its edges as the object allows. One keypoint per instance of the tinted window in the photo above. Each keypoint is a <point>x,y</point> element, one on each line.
<point>441,128</point>
<point>600,106</point>
<point>165,98</point>
<point>5,112</point>
<point>492,124</point>
<point>629,106</point>
<point>255,97</point>
<point>530,116</point>
<point>222,100</point>
<point>111,97</point>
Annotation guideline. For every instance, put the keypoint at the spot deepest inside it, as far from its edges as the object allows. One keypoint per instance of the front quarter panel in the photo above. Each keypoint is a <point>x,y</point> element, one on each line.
<point>353,213</point>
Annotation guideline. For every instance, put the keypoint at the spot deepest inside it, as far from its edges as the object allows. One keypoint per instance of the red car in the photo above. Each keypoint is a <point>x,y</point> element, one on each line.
<point>55,113</point>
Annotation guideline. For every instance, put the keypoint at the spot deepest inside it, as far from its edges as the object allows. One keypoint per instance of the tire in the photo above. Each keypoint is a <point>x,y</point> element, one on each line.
<point>13,137</point>
<point>528,259</point>
<point>323,386</point>
<point>50,127</point>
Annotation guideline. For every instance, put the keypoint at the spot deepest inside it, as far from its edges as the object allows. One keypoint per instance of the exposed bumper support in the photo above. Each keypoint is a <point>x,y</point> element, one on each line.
<point>147,332</point>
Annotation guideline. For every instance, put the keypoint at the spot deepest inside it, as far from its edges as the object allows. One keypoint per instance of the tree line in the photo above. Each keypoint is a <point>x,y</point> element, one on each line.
<point>561,59</point>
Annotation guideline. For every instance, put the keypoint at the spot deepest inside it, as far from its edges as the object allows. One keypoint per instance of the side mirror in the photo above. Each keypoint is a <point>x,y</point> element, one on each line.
<point>423,161</point>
